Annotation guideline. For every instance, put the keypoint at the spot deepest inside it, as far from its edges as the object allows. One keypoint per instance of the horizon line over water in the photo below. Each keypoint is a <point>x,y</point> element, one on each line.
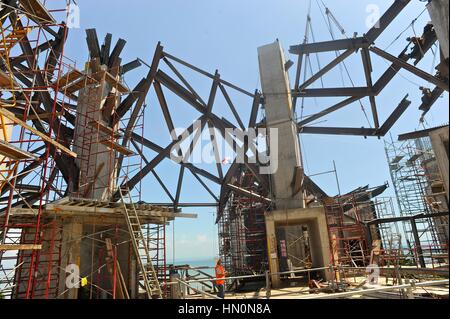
<point>210,262</point>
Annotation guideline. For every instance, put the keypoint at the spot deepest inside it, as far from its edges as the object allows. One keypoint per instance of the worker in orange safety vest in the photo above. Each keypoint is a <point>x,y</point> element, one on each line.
<point>220,279</point>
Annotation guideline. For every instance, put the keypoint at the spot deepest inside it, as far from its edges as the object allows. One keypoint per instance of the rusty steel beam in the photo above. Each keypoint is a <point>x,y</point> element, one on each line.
<point>410,68</point>
<point>325,70</point>
<point>367,63</point>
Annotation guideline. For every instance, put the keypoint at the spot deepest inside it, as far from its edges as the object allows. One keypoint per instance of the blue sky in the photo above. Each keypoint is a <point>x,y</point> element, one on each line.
<point>224,35</point>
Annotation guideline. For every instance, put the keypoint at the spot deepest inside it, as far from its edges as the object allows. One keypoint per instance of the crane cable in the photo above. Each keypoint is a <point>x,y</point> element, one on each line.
<point>406,29</point>
<point>330,16</point>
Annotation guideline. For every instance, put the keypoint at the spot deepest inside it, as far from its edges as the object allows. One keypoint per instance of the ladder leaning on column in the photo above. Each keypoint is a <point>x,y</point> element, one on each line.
<point>140,246</point>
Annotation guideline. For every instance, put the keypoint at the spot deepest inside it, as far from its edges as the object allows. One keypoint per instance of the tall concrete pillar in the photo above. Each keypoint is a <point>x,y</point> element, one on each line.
<point>96,161</point>
<point>97,165</point>
<point>280,116</point>
<point>287,180</point>
<point>438,10</point>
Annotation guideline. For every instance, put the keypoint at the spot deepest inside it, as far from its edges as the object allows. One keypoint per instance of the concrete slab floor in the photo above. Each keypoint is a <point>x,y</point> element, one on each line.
<point>303,292</point>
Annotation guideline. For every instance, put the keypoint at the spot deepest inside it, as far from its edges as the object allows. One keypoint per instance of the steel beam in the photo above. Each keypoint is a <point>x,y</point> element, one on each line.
<point>128,102</point>
<point>338,131</point>
<point>164,107</point>
<point>326,46</point>
<point>386,20</point>
<point>418,134</point>
<point>158,149</point>
<point>399,110</point>
<point>179,90</point>
<point>255,109</point>
<point>141,100</point>
<point>367,63</point>
<point>207,74</point>
<point>131,183</point>
<point>205,186</point>
<point>248,194</point>
<point>330,92</point>
<point>327,111</point>
<point>161,183</point>
<point>410,68</point>
<point>231,105</point>
<point>179,185</point>
<point>325,69</point>
<point>183,80</point>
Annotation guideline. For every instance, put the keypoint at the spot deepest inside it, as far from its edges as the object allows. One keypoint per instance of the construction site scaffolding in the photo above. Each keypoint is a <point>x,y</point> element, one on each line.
<point>29,73</point>
<point>419,190</point>
<point>242,230</point>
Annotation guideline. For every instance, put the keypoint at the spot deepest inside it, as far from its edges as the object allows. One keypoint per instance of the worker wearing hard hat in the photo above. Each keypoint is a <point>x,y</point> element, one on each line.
<point>220,278</point>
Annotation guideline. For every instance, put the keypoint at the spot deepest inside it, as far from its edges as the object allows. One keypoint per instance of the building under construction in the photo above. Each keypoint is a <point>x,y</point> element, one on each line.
<point>75,224</point>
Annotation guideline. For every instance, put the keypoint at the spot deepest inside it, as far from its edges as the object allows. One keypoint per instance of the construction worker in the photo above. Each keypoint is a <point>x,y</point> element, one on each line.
<point>427,95</point>
<point>421,43</point>
<point>220,281</point>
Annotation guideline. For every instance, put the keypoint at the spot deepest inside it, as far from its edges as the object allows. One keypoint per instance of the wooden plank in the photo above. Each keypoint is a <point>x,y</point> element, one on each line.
<point>15,153</point>
<point>78,85</point>
<point>37,11</point>
<point>116,83</point>
<point>8,247</point>
<point>47,139</point>
<point>116,146</point>
<point>5,81</point>
<point>62,209</point>
<point>69,77</point>
<point>103,128</point>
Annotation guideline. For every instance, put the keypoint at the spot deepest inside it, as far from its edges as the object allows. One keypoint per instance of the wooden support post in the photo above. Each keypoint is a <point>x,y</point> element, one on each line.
<point>47,139</point>
<point>115,270</point>
<point>19,247</point>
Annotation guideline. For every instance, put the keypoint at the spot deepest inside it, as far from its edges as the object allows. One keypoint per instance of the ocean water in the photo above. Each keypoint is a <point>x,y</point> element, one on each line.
<point>210,262</point>
<point>199,263</point>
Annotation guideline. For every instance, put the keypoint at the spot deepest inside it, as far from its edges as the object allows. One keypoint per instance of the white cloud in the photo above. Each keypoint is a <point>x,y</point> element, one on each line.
<point>202,239</point>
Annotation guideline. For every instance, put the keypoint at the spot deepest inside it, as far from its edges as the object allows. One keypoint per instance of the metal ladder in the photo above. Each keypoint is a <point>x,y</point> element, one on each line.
<point>140,246</point>
<point>10,40</point>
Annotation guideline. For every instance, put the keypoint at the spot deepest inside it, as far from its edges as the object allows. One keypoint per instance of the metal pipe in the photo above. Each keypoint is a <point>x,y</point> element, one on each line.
<point>260,275</point>
<point>367,291</point>
<point>199,291</point>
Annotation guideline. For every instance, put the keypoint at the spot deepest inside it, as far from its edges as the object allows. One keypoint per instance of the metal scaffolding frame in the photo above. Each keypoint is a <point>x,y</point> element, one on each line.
<point>242,229</point>
<point>44,169</point>
<point>40,89</point>
<point>414,170</point>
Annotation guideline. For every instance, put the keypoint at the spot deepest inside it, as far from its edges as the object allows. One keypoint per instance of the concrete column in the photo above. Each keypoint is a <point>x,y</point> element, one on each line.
<point>71,254</point>
<point>440,142</point>
<point>438,10</point>
<point>272,250</point>
<point>279,115</point>
<point>96,161</point>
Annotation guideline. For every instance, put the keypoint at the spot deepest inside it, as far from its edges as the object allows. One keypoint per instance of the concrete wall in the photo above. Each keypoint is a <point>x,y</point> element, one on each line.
<point>315,219</point>
<point>438,10</point>
<point>440,141</point>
